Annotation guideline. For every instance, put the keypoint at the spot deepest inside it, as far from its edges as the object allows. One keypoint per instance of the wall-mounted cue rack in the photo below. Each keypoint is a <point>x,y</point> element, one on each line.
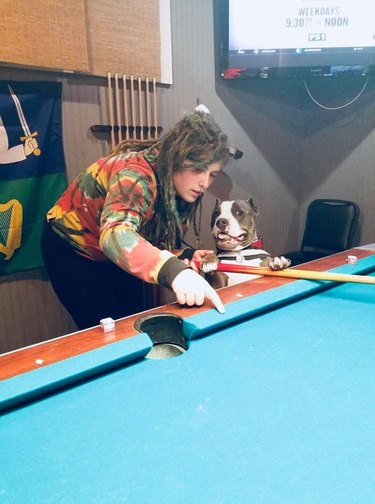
<point>132,111</point>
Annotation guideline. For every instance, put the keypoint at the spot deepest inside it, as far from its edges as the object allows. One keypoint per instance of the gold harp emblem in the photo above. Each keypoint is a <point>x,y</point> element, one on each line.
<point>10,227</point>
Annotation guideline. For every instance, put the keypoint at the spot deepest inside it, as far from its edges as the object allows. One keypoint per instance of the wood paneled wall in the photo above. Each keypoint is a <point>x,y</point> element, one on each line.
<point>91,37</point>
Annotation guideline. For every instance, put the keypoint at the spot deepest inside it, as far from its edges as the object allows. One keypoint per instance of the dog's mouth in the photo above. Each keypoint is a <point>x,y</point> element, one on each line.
<point>231,241</point>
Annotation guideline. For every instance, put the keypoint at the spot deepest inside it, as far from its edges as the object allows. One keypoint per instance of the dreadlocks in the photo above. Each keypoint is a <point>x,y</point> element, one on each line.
<point>196,138</point>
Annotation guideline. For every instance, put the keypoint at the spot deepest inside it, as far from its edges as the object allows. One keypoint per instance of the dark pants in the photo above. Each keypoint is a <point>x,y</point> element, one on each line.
<point>90,290</point>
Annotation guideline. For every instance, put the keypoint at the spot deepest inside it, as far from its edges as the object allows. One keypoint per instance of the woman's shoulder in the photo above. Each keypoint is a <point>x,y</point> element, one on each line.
<point>137,162</point>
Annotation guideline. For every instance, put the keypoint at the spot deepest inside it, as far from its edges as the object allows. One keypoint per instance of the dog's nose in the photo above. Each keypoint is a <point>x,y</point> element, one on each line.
<point>222,223</point>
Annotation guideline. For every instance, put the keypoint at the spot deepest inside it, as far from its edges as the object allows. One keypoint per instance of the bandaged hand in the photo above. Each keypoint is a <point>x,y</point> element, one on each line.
<point>192,289</point>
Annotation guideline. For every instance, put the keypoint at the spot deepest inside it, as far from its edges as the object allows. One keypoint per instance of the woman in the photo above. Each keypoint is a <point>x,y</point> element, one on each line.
<point>117,223</point>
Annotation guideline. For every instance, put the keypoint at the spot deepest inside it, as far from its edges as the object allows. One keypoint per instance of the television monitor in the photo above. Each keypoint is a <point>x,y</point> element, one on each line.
<point>297,38</point>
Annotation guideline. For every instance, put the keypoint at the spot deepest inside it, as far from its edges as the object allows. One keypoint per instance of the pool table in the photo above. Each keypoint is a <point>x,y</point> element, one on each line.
<point>272,403</point>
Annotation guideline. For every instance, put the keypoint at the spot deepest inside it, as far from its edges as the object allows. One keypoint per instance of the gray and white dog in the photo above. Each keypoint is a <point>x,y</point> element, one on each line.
<point>233,225</point>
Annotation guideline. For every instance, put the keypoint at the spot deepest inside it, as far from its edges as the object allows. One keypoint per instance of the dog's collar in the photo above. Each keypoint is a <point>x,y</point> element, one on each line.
<point>256,244</point>
<point>243,255</point>
<point>253,251</point>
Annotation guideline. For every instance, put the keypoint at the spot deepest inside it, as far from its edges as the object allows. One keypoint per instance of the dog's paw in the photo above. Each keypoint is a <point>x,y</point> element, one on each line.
<point>209,263</point>
<point>217,279</point>
<point>279,263</point>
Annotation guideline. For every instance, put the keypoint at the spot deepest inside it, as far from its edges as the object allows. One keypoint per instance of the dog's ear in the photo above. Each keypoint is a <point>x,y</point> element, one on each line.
<point>215,213</point>
<point>252,205</point>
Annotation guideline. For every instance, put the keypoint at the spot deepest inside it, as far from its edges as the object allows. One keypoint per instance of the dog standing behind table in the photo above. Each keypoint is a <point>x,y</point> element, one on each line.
<point>233,226</point>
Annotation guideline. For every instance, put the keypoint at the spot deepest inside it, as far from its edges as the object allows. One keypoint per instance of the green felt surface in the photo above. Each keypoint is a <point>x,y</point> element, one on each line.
<point>273,408</point>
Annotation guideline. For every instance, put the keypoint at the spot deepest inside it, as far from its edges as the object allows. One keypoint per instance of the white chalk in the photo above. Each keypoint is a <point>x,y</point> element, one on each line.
<point>351,259</point>
<point>108,324</point>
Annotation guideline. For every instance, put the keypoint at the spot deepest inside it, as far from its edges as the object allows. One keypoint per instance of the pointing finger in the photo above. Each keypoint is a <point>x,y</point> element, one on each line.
<point>213,296</point>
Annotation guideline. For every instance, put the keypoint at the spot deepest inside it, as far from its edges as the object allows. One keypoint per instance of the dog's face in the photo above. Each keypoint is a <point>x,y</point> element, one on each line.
<point>233,224</point>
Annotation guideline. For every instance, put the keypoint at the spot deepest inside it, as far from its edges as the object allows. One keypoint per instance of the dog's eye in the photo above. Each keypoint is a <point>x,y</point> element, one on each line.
<point>239,212</point>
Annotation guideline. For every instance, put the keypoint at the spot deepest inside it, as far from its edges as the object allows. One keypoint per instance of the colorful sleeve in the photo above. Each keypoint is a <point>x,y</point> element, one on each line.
<point>129,203</point>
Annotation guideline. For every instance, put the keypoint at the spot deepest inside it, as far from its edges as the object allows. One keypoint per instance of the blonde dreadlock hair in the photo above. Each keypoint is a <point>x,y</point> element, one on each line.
<point>195,138</point>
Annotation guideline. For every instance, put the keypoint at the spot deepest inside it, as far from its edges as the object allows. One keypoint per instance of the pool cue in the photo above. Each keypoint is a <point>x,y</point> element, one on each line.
<point>148,119</point>
<point>155,106</point>
<point>126,111</point>
<point>118,114</point>
<point>140,108</point>
<point>110,106</point>
<point>293,273</point>
<point>132,106</point>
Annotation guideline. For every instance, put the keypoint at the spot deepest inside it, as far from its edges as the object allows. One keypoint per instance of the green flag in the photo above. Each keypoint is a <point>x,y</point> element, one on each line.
<point>32,168</point>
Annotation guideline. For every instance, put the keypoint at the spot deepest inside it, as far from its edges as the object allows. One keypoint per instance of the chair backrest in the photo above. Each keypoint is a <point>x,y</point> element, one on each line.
<point>330,225</point>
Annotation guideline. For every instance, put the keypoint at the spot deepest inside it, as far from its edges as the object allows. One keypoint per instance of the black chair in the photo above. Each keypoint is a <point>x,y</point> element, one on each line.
<point>330,228</point>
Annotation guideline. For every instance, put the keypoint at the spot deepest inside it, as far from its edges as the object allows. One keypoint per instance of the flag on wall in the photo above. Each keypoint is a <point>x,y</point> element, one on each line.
<point>32,168</point>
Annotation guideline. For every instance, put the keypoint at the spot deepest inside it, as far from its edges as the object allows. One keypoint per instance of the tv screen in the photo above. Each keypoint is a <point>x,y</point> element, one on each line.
<point>297,38</point>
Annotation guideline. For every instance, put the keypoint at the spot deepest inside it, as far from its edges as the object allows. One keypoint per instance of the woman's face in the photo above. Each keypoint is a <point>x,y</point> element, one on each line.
<point>191,182</point>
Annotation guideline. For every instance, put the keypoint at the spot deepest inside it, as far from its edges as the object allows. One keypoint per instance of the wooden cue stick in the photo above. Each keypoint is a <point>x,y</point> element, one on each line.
<point>126,111</point>
<point>148,119</point>
<point>132,106</point>
<point>118,113</point>
<point>110,107</point>
<point>293,273</point>
<point>140,108</point>
<point>155,106</point>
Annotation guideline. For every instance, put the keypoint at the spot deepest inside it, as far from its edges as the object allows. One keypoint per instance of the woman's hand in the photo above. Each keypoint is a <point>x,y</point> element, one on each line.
<point>198,256</point>
<point>192,289</point>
